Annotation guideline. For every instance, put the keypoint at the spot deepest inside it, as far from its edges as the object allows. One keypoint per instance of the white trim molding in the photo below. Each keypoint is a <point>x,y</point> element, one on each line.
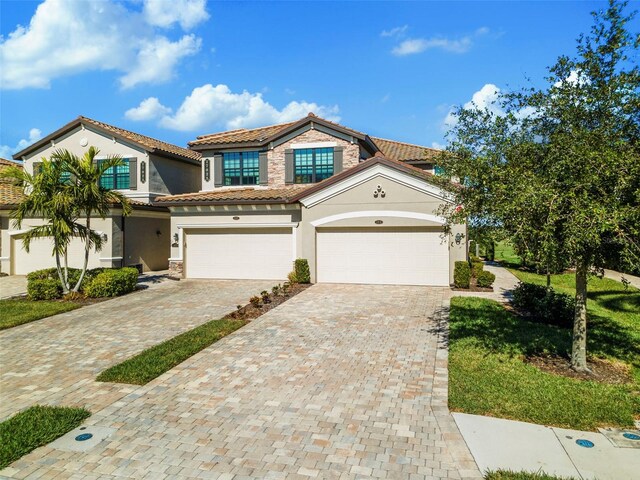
<point>238,225</point>
<point>380,171</point>
<point>379,213</point>
<point>296,146</point>
<point>110,259</point>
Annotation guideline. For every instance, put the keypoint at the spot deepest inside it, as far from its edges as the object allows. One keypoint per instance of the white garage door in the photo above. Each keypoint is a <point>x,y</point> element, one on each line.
<point>265,253</point>
<point>40,256</point>
<point>393,256</point>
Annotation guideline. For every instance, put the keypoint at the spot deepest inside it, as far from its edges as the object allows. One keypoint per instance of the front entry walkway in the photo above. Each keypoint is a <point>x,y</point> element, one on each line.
<point>342,381</point>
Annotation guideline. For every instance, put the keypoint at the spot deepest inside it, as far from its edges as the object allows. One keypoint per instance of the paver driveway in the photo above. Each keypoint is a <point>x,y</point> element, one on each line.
<point>55,360</point>
<point>342,381</point>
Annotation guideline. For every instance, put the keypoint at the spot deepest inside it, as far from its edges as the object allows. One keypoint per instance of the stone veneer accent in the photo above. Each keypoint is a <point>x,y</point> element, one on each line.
<point>350,155</point>
<point>176,269</point>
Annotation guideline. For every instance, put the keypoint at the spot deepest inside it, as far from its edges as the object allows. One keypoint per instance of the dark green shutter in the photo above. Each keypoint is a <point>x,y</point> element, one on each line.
<point>37,167</point>
<point>133,174</point>
<point>337,159</point>
<point>218,179</point>
<point>264,169</point>
<point>288,166</point>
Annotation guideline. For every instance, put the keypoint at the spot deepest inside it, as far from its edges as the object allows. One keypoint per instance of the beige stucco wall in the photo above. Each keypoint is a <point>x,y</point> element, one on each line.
<point>398,198</point>
<point>171,177</point>
<point>10,243</point>
<point>164,175</point>
<point>147,240</point>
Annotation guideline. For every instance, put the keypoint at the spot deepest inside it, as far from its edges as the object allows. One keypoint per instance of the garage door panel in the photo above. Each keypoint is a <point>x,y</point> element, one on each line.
<point>398,256</point>
<point>40,255</point>
<point>261,254</point>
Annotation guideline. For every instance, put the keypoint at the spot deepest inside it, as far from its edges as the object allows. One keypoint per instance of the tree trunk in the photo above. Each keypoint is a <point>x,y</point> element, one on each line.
<point>548,279</point>
<point>86,257</point>
<point>60,276</point>
<point>579,347</point>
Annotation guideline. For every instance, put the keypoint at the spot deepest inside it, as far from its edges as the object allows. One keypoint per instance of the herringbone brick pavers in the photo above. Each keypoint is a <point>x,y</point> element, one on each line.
<point>336,383</point>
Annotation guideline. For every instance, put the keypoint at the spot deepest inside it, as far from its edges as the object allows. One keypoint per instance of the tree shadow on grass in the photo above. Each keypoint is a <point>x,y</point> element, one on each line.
<point>606,337</point>
<point>617,300</point>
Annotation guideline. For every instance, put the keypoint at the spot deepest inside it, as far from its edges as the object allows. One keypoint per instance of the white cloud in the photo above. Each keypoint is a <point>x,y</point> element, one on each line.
<point>148,109</point>
<point>211,106</point>
<point>485,98</point>
<point>419,45</point>
<point>438,146</point>
<point>157,59</point>
<point>412,46</point>
<point>394,32</point>
<point>7,152</point>
<point>164,13</point>
<point>67,37</point>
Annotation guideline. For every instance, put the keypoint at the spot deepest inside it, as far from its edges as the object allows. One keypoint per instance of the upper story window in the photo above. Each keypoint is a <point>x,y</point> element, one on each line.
<point>116,178</point>
<point>241,168</point>
<point>311,165</point>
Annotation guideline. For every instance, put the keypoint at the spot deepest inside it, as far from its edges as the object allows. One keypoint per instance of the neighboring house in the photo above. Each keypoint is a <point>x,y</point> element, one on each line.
<point>151,168</point>
<point>317,190</point>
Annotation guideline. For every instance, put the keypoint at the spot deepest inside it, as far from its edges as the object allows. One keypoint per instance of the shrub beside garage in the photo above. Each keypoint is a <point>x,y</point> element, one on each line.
<point>98,282</point>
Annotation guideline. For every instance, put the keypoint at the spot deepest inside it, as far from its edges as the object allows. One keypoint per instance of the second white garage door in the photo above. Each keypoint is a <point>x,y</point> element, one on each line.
<point>265,253</point>
<point>382,256</point>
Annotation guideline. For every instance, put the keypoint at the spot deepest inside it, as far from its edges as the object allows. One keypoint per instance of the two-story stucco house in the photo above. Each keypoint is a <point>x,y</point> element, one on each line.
<point>354,206</point>
<point>151,168</point>
<point>243,204</point>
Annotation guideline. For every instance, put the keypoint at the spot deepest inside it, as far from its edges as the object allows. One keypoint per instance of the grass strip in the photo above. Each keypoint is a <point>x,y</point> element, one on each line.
<point>34,427</point>
<point>487,374</point>
<point>155,361</point>
<point>510,475</point>
<point>18,312</point>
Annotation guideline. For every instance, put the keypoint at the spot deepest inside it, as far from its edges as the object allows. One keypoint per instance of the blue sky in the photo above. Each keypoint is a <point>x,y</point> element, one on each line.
<point>175,69</point>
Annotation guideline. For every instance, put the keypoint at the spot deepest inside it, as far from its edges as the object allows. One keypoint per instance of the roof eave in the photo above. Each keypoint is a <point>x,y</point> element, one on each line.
<point>194,203</point>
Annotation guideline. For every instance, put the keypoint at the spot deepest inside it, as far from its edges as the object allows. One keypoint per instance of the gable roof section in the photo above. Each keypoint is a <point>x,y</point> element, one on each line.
<point>147,143</point>
<point>247,195</point>
<point>377,160</point>
<point>405,152</point>
<point>263,136</point>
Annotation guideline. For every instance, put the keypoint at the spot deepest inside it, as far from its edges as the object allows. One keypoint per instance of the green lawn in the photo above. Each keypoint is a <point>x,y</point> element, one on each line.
<point>505,254</point>
<point>487,375</point>
<point>509,475</point>
<point>613,329</point>
<point>34,427</point>
<point>17,312</point>
<point>160,358</point>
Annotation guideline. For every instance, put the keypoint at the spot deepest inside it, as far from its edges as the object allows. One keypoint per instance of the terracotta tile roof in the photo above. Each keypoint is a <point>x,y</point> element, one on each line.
<point>10,194</point>
<point>148,143</point>
<point>404,151</point>
<point>4,164</point>
<point>235,195</point>
<point>261,134</point>
<point>241,135</point>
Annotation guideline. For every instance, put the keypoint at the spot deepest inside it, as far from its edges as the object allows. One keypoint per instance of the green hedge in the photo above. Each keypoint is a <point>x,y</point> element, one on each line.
<point>112,283</point>
<point>477,267</point>
<point>44,289</point>
<point>461,274</point>
<point>485,279</point>
<point>301,269</point>
<point>45,284</point>
<point>544,304</point>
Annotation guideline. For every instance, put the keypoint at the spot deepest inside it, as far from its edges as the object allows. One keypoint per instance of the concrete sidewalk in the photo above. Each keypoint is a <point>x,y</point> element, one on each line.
<point>496,443</point>
<point>633,280</point>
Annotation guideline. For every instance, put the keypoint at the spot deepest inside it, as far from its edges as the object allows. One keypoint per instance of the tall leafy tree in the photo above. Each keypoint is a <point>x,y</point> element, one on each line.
<point>558,167</point>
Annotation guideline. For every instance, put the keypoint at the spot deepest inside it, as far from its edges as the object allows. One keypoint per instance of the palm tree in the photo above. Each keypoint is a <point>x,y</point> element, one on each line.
<point>47,198</point>
<point>90,198</point>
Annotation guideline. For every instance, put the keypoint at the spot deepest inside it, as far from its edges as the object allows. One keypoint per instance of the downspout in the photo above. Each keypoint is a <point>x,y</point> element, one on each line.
<point>124,250</point>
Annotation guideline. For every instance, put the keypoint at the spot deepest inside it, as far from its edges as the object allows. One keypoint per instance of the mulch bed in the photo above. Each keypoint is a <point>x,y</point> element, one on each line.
<point>249,312</point>
<point>472,288</point>
<point>603,371</point>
